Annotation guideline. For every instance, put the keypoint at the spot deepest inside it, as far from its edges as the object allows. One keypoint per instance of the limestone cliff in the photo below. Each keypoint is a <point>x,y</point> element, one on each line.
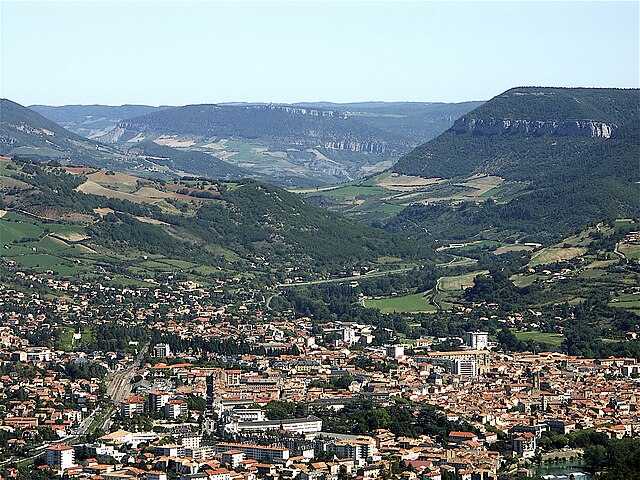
<point>572,128</point>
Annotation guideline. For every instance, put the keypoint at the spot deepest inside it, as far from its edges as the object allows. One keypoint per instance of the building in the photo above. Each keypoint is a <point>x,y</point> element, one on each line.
<point>153,475</point>
<point>631,370</point>
<point>191,440</point>
<point>464,368</point>
<point>157,400</point>
<point>174,409</point>
<point>132,405</point>
<point>362,449</point>
<point>232,377</point>
<point>524,444</point>
<point>162,350</point>
<point>255,452</point>
<point>171,450</point>
<point>310,424</point>
<point>477,340</point>
<point>233,458</point>
<point>60,456</point>
<point>395,351</point>
<point>481,357</point>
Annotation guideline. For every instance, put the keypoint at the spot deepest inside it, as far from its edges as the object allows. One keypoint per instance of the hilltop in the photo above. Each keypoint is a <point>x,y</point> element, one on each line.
<point>91,121</point>
<point>566,158</point>
<point>28,134</point>
<point>532,163</point>
<point>305,144</point>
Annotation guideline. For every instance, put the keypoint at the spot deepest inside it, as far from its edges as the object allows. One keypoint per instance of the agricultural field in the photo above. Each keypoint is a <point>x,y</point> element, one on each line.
<point>555,254</point>
<point>628,301</point>
<point>417,302</point>
<point>381,196</point>
<point>458,282</point>
<point>630,251</point>
<point>552,339</point>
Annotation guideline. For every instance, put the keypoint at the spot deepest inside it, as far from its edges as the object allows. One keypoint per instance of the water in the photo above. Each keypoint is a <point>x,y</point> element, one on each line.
<point>561,471</point>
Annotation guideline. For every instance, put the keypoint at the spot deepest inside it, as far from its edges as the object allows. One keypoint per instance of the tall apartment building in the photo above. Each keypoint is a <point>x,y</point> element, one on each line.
<point>131,406</point>
<point>477,340</point>
<point>464,368</point>
<point>61,456</point>
<point>157,400</point>
<point>161,350</point>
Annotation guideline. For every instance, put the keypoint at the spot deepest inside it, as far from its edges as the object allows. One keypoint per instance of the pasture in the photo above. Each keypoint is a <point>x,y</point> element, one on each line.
<point>417,302</point>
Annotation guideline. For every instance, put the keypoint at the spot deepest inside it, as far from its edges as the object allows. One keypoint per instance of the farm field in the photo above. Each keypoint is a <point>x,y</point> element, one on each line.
<point>630,251</point>
<point>553,339</point>
<point>555,254</point>
<point>628,301</point>
<point>417,302</point>
<point>456,283</point>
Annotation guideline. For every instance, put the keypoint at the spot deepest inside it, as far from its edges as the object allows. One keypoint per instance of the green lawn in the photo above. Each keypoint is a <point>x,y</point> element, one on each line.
<point>554,339</point>
<point>417,302</point>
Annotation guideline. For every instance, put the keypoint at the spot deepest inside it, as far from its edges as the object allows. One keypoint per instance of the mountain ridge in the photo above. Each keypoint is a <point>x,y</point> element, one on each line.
<point>565,180</point>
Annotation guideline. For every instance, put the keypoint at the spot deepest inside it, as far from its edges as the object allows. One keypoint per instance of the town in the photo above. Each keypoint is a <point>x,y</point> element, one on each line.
<point>181,382</point>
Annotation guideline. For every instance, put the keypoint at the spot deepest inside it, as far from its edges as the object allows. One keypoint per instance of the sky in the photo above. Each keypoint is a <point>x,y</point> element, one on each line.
<point>175,53</point>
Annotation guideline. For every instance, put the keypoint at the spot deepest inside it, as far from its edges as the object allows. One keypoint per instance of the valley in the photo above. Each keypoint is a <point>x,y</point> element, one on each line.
<point>367,294</point>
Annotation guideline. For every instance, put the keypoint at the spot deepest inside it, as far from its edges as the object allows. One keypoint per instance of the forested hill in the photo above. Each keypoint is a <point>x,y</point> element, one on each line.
<point>312,127</point>
<point>28,134</point>
<point>516,131</point>
<point>91,120</point>
<point>235,227</point>
<point>23,131</point>
<point>567,156</point>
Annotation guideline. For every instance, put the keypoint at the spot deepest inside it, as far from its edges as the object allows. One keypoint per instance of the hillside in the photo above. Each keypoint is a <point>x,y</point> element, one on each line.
<point>26,133</point>
<point>298,145</point>
<point>565,158</point>
<point>310,144</point>
<point>91,121</point>
<point>84,221</point>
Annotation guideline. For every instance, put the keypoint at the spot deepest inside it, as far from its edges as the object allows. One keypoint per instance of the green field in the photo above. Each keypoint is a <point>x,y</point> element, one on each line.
<point>456,283</point>
<point>11,231</point>
<point>553,339</point>
<point>417,302</point>
<point>554,254</point>
<point>629,251</point>
<point>628,301</point>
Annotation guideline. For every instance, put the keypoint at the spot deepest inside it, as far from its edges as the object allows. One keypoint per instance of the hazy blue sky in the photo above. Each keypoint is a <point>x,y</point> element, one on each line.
<point>205,52</point>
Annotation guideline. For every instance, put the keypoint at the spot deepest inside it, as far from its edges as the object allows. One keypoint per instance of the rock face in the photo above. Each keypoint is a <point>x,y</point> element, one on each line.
<point>356,146</point>
<point>572,128</point>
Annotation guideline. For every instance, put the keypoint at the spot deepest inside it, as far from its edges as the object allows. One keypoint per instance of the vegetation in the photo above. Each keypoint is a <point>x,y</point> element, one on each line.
<point>564,182</point>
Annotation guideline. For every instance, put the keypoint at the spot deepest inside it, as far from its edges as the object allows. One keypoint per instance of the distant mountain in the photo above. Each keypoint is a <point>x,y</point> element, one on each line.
<point>282,124</point>
<point>565,156</point>
<point>294,145</point>
<point>92,121</point>
<point>416,121</point>
<point>26,133</point>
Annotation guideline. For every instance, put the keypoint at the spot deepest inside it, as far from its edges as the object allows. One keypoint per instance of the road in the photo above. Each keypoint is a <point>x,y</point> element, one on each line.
<point>118,387</point>
<point>345,279</point>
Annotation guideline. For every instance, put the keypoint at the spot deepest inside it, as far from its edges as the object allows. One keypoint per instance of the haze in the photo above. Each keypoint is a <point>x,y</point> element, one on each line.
<point>179,53</point>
